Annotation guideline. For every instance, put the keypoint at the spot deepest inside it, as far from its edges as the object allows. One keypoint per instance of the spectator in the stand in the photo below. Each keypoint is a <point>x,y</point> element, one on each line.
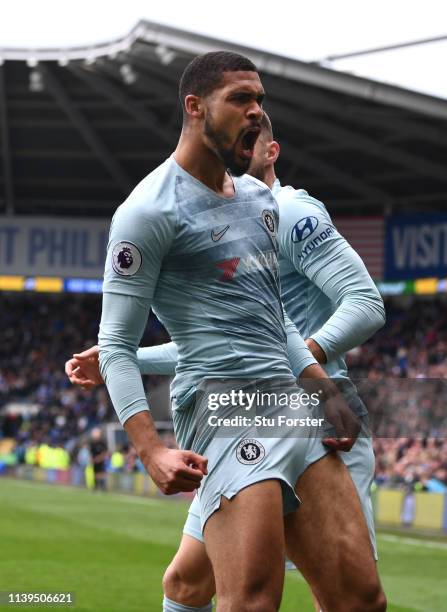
<point>412,464</point>
<point>80,464</point>
<point>413,343</point>
<point>117,460</point>
<point>30,456</point>
<point>98,452</point>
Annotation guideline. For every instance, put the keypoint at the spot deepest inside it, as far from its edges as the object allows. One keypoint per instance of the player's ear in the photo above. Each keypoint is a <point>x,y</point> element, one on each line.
<point>273,151</point>
<point>194,106</point>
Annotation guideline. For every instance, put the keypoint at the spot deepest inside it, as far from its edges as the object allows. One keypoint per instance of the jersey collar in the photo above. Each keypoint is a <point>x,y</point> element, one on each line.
<point>276,187</point>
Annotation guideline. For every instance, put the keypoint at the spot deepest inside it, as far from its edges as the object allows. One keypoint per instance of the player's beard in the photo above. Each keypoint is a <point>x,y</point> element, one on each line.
<point>226,154</point>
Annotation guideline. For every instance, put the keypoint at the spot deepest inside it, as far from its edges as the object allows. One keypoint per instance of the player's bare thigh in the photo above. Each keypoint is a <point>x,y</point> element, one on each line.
<point>328,540</point>
<point>245,542</point>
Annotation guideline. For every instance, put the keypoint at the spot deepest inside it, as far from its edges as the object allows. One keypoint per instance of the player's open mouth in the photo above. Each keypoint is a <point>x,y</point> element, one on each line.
<point>248,141</point>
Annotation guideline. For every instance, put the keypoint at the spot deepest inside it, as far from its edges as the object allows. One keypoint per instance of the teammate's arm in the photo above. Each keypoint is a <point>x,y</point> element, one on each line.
<point>328,260</point>
<point>160,359</point>
<point>83,368</point>
<point>360,311</point>
<point>313,379</point>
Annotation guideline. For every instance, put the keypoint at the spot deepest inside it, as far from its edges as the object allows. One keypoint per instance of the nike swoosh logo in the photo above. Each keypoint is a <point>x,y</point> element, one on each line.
<point>215,236</point>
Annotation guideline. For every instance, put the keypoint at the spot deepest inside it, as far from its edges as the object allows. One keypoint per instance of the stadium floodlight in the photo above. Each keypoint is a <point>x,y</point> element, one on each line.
<point>165,55</point>
<point>128,74</point>
<point>63,61</point>
<point>36,83</point>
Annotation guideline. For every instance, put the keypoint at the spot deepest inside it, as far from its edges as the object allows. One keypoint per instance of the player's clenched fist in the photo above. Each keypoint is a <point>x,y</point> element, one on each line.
<point>174,471</point>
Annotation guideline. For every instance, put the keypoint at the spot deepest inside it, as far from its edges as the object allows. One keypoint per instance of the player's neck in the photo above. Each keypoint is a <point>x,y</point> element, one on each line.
<point>269,177</point>
<point>199,161</point>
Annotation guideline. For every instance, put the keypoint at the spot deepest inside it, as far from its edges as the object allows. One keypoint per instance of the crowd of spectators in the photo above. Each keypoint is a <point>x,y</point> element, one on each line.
<point>401,373</point>
<point>39,333</point>
<point>412,463</point>
<point>413,343</point>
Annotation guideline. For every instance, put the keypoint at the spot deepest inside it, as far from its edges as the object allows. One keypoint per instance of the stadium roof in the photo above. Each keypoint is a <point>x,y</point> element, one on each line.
<point>80,126</point>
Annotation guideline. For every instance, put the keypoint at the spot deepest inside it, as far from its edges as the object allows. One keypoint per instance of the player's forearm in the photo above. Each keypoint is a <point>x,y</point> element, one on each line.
<point>161,359</point>
<point>122,324</point>
<point>360,311</point>
<point>143,434</point>
<point>299,354</point>
<point>344,424</point>
<point>314,379</point>
<point>357,318</point>
<point>119,369</point>
<point>316,350</point>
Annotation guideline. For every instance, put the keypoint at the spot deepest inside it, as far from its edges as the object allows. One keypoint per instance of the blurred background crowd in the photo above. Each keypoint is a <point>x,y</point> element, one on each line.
<point>46,421</point>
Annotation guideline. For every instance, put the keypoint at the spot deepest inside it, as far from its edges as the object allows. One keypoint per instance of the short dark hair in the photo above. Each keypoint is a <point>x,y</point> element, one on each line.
<point>204,73</point>
<point>266,126</point>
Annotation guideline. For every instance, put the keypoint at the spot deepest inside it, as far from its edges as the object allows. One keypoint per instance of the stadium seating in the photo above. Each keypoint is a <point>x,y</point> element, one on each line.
<point>401,366</point>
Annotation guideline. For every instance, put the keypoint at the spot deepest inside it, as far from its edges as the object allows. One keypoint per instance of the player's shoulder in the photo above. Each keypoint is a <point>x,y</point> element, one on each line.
<point>303,220</point>
<point>152,197</point>
<point>149,211</point>
<point>253,189</point>
<point>299,201</point>
<point>253,185</point>
<point>251,182</point>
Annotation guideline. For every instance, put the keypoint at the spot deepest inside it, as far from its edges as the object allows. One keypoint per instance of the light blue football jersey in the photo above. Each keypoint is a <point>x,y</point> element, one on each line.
<point>325,287</point>
<point>329,295</point>
<point>208,267</point>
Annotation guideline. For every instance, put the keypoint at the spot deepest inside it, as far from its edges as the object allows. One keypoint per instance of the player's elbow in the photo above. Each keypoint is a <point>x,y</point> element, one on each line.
<point>382,315</point>
<point>378,314</point>
<point>372,311</point>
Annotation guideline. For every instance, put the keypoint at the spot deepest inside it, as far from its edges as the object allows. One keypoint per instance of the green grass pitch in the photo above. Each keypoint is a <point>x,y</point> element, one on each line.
<point>111,550</point>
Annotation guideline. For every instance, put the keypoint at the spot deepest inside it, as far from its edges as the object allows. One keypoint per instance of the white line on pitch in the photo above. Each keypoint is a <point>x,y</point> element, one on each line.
<point>412,541</point>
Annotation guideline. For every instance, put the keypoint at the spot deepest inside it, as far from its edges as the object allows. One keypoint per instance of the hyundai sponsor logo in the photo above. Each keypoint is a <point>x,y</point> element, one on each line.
<point>304,228</point>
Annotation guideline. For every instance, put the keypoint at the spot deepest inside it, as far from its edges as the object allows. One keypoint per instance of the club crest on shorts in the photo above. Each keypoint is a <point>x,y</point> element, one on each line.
<point>126,258</point>
<point>269,221</point>
<point>250,452</point>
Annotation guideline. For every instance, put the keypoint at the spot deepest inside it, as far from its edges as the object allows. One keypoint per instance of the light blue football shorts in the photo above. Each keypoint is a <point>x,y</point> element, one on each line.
<point>251,431</point>
<point>360,462</point>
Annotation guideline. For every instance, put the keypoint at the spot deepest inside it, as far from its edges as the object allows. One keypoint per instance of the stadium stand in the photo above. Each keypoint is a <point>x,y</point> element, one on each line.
<point>413,343</point>
<point>81,126</point>
<point>39,406</point>
<point>37,402</point>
